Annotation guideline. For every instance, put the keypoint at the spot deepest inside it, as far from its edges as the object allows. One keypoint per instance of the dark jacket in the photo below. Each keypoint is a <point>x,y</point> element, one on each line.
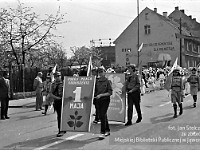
<point>133,83</point>
<point>103,85</point>
<point>4,88</point>
<point>57,88</point>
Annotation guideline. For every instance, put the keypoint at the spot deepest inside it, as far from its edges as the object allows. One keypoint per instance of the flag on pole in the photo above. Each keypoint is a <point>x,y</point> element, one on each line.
<point>169,77</point>
<point>52,79</point>
<point>140,48</point>
<point>53,71</point>
<point>89,70</point>
<point>174,66</point>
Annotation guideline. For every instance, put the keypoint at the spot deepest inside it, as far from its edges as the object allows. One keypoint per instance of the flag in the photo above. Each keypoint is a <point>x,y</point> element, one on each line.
<point>89,70</point>
<point>52,72</point>
<point>140,48</point>
<point>169,77</point>
<point>174,66</point>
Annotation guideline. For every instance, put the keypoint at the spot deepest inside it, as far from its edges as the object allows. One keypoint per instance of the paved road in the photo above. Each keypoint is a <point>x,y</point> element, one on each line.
<point>29,129</point>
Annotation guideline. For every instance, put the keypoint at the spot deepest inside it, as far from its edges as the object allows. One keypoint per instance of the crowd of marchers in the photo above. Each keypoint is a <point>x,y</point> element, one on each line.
<point>138,82</point>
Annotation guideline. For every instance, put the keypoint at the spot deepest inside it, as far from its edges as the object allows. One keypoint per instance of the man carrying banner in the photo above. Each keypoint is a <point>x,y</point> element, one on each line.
<point>103,91</point>
<point>194,85</point>
<point>57,93</point>
<point>177,91</point>
<point>134,97</point>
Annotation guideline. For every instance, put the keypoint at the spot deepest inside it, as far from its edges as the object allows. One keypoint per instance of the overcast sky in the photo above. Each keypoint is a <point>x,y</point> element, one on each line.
<point>100,19</point>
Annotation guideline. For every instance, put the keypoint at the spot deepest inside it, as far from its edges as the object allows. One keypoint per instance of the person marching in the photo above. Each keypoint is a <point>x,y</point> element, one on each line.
<point>134,97</point>
<point>103,91</point>
<point>57,93</point>
<point>177,91</point>
<point>47,101</point>
<point>194,85</point>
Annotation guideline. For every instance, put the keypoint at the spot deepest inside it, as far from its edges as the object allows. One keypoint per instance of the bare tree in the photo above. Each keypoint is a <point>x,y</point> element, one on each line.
<point>23,31</point>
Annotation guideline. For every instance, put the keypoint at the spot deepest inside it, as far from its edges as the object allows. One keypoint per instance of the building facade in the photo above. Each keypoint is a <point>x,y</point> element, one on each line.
<point>161,46</point>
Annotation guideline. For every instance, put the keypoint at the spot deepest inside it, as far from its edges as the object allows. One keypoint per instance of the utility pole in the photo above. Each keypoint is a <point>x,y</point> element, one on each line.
<point>180,45</point>
<point>138,42</point>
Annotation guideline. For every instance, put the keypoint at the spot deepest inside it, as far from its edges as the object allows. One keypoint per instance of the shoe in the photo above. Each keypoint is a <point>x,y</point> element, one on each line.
<point>95,121</point>
<point>138,120</point>
<point>61,133</point>
<point>101,136</point>
<point>194,105</point>
<point>44,113</point>
<point>175,116</point>
<point>6,117</point>
<point>128,123</point>
<point>37,110</point>
<point>107,134</point>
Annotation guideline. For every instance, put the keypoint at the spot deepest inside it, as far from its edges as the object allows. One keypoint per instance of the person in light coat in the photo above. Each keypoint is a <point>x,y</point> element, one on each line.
<point>38,87</point>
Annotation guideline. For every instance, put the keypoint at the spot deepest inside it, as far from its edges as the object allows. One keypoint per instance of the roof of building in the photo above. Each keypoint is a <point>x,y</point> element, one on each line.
<point>187,21</point>
<point>171,21</point>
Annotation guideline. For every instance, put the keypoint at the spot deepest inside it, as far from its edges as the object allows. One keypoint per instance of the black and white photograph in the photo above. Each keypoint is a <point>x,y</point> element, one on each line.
<point>99,75</point>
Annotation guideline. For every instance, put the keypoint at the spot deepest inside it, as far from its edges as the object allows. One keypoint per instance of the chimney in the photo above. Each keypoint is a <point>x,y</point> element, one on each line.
<point>176,8</point>
<point>165,14</point>
<point>155,10</point>
<point>194,19</point>
<point>190,16</point>
<point>182,10</point>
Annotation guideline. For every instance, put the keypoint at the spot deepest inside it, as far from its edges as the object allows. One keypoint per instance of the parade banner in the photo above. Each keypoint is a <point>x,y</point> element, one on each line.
<point>117,107</point>
<point>78,94</point>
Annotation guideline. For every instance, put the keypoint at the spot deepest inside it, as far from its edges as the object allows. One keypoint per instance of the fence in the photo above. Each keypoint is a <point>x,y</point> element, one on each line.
<point>16,77</point>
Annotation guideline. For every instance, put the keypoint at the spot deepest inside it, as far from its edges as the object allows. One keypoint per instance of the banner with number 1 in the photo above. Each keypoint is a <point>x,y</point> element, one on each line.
<point>77,103</point>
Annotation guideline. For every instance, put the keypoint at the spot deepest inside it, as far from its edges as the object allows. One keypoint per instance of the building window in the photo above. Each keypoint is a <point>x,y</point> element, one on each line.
<point>147,29</point>
<point>195,48</point>
<point>128,49</point>
<point>187,46</point>
<point>146,16</point>
<point>190,47</point>
<point>198,49</point>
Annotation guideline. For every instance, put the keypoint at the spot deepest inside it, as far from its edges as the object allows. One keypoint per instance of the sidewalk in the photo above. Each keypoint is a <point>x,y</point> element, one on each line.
<point>25,102</point>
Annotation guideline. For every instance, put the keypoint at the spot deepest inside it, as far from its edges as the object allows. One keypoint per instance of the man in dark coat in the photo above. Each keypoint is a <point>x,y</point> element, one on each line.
<point>4,95</point>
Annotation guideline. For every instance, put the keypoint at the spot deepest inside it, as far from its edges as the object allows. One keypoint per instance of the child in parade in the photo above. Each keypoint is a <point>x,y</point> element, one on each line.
<point>194,85</point>
<point>162,80</point>
<point>47,99</point>
<point>151,82</point>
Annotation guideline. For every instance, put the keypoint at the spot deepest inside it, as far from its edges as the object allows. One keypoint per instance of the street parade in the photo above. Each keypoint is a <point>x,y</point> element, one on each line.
<point>135,90</point>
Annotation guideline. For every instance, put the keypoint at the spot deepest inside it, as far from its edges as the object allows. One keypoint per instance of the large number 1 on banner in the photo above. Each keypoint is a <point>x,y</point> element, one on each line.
<point>77,93</point>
